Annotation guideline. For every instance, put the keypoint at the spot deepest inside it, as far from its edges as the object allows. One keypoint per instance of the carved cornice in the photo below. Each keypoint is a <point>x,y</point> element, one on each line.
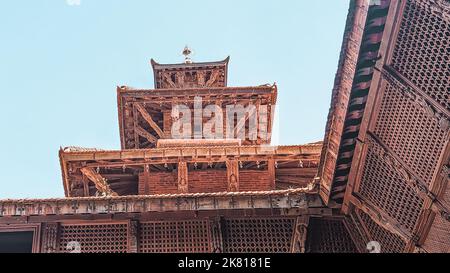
<point>283,199</point>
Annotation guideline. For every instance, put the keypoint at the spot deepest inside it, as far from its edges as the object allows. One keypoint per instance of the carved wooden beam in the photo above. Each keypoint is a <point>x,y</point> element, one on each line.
<point>233,175</point>
<point>143,133</point>
<point>100,183</point>
<point>300,232</point>
<point>183,186</point>
<point>149,119</point>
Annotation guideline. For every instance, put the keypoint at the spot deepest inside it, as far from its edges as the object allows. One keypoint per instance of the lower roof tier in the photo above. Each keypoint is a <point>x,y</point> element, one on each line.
<point>184,170</point>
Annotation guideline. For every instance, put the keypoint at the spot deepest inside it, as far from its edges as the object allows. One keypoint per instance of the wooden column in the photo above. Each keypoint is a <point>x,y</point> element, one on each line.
<point>133,236</point>
<point>233,175</point>
<point>216,235</point>
<point>50,237</point>
<point>271,169</point>
<point>143,183</point>
<point>300,232</point>
<point>183,184</point>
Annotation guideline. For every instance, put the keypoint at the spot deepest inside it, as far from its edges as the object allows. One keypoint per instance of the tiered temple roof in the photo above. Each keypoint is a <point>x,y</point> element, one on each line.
<point>382,174</point>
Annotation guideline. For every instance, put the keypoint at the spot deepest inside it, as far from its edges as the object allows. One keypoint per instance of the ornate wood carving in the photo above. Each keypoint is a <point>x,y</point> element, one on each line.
<point>438,7</point>
<point>183,186</point>
<point>300,234</point>
<point>133,236</point>
<point>341,92</point>
<point>100,183</point>
<point>431,109</point>
<point>50,238</point>
<point>216,235</point>
<point>233,175</point>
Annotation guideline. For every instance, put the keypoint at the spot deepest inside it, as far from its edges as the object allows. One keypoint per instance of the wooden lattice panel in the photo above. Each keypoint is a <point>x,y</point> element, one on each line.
<point>262,235</point>
<point>438,240</point>
<point>96,238</point>
<point>421,52</point>
<point>385,188</point>
<point>329,236</point>
<point>192,236</point>
<point>411,133</point>
<point>389,242</point>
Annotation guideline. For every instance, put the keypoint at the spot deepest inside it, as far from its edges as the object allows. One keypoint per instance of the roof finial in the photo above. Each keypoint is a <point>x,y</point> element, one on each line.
<point>186,52</point>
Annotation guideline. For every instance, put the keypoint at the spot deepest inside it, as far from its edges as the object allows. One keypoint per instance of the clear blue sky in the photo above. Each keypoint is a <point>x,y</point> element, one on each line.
<point>60,65</point>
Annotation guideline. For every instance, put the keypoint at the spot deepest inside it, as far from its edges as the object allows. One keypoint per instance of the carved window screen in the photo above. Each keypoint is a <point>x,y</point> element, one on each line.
<point>421,53</point>
<point>95,238</point>
<point>258,235</point>
<point>412,134</point>
<point>389,242</point>
<point>329,236</point>
<point>191,236</point>
<point>386,189</point>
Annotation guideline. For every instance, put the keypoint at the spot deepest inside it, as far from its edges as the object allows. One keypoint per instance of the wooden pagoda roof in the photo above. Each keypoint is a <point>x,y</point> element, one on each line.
<point>121,167</point>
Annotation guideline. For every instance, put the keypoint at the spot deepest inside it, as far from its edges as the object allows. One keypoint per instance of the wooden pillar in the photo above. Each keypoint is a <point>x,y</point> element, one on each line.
<point>50,237</point>
<point>300,232</point>
<point>271,169</point>
<point>233,175</point>
<point>133,236</point>
<point>183,184</point>
<point>143,182</point>
<point>216,235</point>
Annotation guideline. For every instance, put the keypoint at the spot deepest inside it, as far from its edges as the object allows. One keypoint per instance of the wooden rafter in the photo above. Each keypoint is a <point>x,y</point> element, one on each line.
<point>100,183</point>
<point>149,119</point>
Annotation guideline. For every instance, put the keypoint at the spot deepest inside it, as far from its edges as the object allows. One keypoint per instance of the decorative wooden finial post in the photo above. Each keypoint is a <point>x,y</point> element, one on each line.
<point>186,52</point>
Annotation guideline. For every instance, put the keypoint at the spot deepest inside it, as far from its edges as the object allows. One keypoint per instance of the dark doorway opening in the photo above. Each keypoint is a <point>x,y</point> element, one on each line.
<point>16,242</point>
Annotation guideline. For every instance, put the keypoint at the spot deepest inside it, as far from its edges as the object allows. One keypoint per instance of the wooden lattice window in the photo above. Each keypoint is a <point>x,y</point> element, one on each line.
<point>262,235</point>
<point>411,133</point>
<point>95,238</point>
<point>389,242</point>
<point>385,188</point>
<point>191,236</point>
<point>329,236</point>
<point>421,52</point>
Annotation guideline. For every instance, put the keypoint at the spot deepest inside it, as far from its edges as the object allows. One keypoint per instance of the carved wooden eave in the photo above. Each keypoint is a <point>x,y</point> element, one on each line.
<point>296,199</point>
<point>159,69</point>
<point>145,115</point>
<point>294,163</point>
<point>341,91</point>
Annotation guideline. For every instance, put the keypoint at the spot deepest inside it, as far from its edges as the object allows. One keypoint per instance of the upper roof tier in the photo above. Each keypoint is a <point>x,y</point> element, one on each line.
<point>190,74</point>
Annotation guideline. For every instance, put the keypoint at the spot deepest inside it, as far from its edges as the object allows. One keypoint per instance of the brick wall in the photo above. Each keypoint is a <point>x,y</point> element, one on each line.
<point>203,181</point>
<point>158,183</point>
<point>208,181</point>
<point>251,180</point>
